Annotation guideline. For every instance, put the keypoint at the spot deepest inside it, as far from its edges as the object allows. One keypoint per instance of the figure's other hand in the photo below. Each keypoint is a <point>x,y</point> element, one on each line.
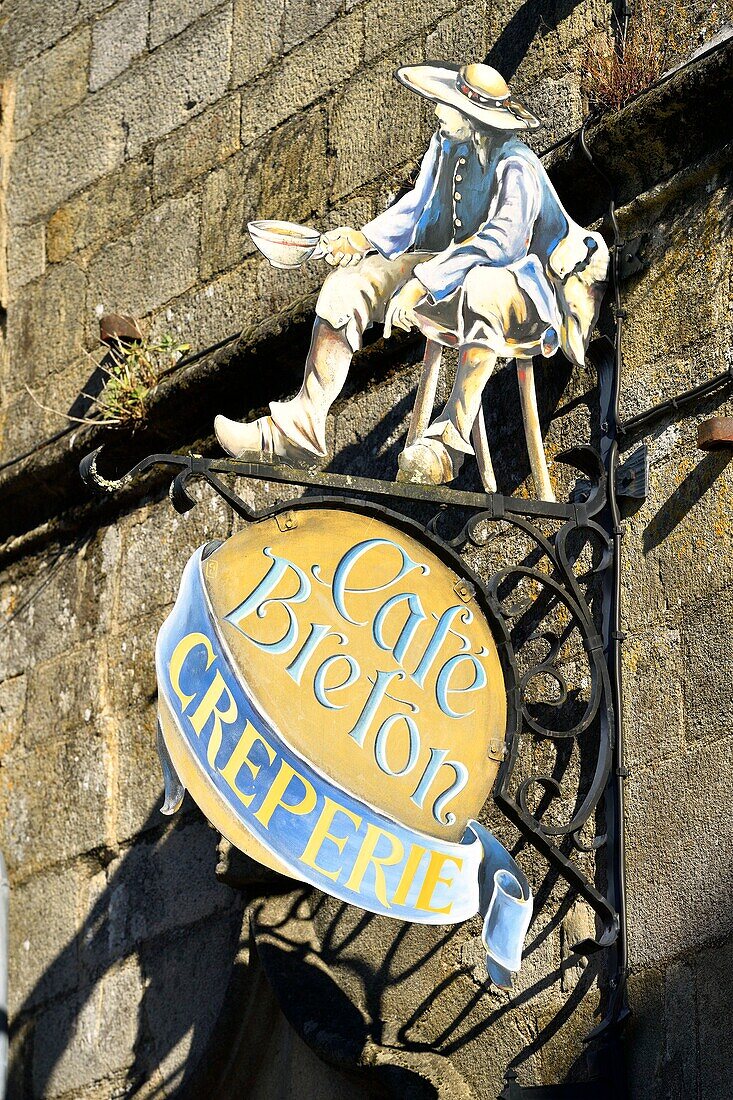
<point>344,246</point>
<point>400,311</point>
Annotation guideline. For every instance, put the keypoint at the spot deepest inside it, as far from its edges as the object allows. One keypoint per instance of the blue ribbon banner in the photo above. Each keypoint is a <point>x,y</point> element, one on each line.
<point>245,774</point>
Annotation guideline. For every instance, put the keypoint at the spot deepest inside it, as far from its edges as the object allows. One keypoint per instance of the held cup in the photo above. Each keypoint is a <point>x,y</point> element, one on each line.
<point>284,244</point>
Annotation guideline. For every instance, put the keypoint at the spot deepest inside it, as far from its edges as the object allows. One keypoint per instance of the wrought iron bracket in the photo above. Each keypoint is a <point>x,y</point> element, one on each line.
<point>547,571</point>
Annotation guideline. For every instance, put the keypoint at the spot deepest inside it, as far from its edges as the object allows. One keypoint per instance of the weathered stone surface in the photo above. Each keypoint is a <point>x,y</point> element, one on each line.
<point>200,145</point>
<point>215,312</point>
<point>557,102</point>
<point>66,695</point>
<point>156,262</point>
<point>306,73</point>
<point>29,29</point>
<point>178,80</point>
<point>46,327</point>
<point>654,717</point>
<point>645,1033</point>
<point>283,177</point>
<point>52,83</point>
<point>365,147</point>
<point>256,37</point>
<point>677,821</point>
<point>152,98</point>
<point>136,895</point>
<point>54,801</point>
<point>170,17</point>
<point>118,37</point>
<point>88,1037</point>
<point>304,18</point>
<point>706,677</point>
<point>26,255</point>
<point>42,957</point>
<point>12,711</point>
<point>390,23</point>
<point>100,211</point>
<point>65,156</point>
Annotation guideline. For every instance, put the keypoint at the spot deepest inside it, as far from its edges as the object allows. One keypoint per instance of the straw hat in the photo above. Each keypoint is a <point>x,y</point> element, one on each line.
<point>477,91</point>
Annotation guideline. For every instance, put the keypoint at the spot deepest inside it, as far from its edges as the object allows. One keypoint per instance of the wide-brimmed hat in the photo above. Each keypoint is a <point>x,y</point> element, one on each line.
<point>477,91</point>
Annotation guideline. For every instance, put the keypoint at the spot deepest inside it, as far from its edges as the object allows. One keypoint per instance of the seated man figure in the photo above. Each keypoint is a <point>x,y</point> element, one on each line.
<point>479,255</point>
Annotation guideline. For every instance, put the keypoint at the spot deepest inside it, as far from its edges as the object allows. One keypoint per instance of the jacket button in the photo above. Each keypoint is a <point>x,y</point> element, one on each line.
<point>458,178</point>
<point>458,223</point>
<point>461,160</point>
<point>457,196</point>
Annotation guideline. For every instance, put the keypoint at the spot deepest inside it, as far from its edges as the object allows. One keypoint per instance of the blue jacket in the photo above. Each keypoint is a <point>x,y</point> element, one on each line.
<point>504,213</point>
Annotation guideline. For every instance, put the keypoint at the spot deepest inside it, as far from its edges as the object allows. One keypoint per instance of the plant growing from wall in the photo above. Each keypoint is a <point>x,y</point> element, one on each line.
<point>621,66</point>
<point>132,369</point>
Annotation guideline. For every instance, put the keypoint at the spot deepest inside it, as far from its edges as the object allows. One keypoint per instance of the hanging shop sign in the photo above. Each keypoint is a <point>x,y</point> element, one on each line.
<point>337,691</point>
<point>333,697</point>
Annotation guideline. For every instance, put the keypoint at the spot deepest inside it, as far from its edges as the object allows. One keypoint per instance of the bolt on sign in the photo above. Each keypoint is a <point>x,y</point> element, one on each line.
<point>333,697</point>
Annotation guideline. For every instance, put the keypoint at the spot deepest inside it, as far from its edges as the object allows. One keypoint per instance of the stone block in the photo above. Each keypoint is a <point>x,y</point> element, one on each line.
<point>97,582</point>
<point>118,37</point>
<point>139,777</point>
<point>644,1037</point>
<point>390,23</point>
<point>203,143</point>
<point>677,873</point>
<point>157,261</point>
<point>64,69</point>
<point>558,104</point>
<point>706,680</point>
<point>54,801</point>
<point>304,18</point>
<point>282,177</point>
<point>26,255</point>
<point>459,36</point>
<point>14,642</point>
<point>714,995</point>
<point>65,156</point>
<point>170,17</point>
<point>152,98</point>
<point>215,311</point>
<point>46,325</point>
<point>653,670</point>
<point>49,621</point>
<point>130,661</point>
<point>90,1036</point>
<point>100,211</point>
<point>256,37</point>
<point>141,895</point>
<point>43,957</point>
<point>177,80</point>
<point>12,711</point>
<point>679,1069</point>
<point>364,145</point>
<point>66,695</point>
<point>187,977</point>
<point>157,543</point>
<point>308,72</point>
<point>27,30</point>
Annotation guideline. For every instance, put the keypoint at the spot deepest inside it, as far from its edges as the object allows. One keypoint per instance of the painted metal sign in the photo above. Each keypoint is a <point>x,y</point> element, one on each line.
<point>333,697</point>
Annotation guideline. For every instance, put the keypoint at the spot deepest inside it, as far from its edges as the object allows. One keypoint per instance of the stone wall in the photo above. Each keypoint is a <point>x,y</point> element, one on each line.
<point>137,138</point>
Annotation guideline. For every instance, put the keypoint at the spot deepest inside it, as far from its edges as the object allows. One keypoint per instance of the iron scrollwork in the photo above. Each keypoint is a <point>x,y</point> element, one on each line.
<point>546,611</point>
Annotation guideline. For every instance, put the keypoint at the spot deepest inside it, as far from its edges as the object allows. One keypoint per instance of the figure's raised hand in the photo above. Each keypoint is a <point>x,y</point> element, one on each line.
<point>343,246</point>
<point>400,311</point>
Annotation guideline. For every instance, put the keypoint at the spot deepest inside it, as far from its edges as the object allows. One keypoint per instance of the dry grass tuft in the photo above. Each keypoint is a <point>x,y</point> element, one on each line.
<point>132,369</point>
<point>619,68</point>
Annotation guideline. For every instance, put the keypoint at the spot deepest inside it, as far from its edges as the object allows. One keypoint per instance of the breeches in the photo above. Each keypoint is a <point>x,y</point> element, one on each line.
<point>490,309</point>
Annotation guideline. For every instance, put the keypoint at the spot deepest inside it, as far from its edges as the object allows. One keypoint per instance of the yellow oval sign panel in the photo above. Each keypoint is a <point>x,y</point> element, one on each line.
<point>370,656</point>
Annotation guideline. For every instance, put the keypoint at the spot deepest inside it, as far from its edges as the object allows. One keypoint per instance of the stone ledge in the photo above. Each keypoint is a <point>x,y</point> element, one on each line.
<point>42,485</point>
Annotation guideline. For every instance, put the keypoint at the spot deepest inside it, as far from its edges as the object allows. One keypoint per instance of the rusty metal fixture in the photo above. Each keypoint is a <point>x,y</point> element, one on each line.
<point>118,328</point>
<point>715,433</point>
